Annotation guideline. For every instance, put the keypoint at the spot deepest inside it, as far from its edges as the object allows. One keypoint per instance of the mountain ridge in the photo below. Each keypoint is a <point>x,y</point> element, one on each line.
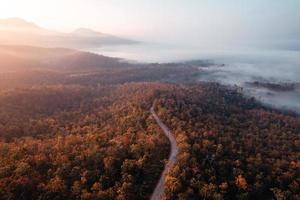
<point>17,31</point>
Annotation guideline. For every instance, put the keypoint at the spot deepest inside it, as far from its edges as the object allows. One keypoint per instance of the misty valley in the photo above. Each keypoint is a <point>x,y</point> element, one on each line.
<point>86,115</point>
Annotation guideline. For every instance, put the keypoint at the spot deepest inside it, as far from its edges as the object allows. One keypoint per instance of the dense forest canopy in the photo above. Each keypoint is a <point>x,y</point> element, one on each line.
<point>80,143</point>
<point>230,147</point>
<point>84,131</point>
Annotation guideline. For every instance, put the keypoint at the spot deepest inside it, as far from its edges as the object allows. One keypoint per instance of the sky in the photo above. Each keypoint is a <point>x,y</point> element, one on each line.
<point>207,22</point>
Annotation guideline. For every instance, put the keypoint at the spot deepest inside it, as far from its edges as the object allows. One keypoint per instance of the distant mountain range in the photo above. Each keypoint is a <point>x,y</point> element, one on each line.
<point>16,31</point>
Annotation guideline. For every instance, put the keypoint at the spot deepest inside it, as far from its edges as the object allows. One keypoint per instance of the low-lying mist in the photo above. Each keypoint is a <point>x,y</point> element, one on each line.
<point>272,76</point>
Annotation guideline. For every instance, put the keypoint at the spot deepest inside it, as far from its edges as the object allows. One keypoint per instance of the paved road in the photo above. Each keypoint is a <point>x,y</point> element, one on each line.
<point>160,187</point>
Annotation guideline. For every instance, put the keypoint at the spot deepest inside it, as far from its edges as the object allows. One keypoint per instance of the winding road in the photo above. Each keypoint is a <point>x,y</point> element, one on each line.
<point>160,187</point>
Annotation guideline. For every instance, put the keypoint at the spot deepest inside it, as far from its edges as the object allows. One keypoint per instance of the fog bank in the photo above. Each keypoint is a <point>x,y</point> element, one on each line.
<point>273,77</point>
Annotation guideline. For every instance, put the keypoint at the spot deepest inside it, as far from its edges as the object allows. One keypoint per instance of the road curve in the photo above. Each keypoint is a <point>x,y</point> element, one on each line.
<point>160,187</point>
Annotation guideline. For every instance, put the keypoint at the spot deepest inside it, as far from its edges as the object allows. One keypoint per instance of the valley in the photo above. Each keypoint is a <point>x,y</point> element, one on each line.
<point>76,125</point>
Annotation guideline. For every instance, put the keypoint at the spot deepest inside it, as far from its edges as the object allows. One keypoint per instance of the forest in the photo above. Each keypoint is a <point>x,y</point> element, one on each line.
<point>87,133</point>
<point>80,143</point>
<point>230,147</point>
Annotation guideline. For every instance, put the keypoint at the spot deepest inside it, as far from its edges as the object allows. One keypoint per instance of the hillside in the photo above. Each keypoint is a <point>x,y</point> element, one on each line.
<point>29,66</point>
<point>52,59</point>
<point>15,31</point>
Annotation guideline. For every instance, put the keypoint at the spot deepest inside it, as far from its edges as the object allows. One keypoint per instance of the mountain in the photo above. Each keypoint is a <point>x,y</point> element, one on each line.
<point>15,31</point>
<point>89,38</point>
<point>84,32</point>
<point>24,58</point>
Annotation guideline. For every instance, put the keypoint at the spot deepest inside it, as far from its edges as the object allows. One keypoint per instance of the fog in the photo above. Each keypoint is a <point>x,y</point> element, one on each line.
<point>272,67</point>
<point>234,67</point>
<point>256,40</point>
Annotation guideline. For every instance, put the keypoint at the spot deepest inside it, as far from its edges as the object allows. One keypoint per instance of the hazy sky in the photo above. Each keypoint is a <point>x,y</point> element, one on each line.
<point>177,21</point>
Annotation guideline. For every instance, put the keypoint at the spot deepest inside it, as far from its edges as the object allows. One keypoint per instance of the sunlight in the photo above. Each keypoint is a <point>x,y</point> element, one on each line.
<point>149,99</point>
